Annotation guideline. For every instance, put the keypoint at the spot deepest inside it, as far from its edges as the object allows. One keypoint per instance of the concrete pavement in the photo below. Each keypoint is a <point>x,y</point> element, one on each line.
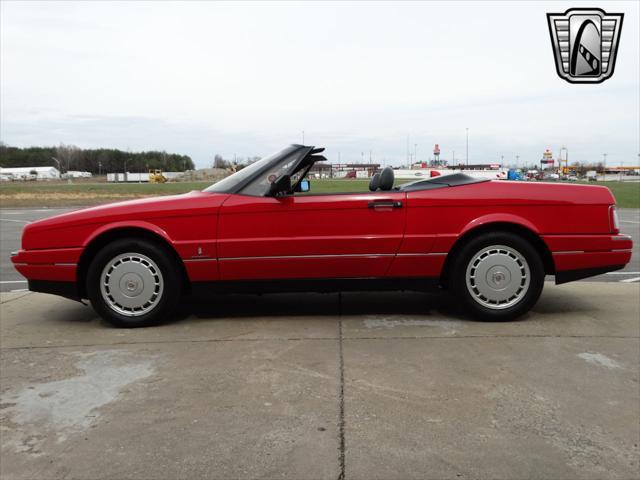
<point>358,385</point>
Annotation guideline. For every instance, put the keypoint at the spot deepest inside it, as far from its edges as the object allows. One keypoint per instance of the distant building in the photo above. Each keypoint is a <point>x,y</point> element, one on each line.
<point>130,177</point>
<point>30,173</point>
<point>355,170</point>
<point>321,170</point>
<point>76,174</point>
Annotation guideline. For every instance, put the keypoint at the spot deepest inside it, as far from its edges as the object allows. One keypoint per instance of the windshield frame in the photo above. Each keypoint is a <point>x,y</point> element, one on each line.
<point>237,181</point>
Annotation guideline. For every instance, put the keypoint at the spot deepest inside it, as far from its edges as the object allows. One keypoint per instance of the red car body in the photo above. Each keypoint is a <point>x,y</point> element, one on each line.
<point>221,238</point>
<point>233,237</point>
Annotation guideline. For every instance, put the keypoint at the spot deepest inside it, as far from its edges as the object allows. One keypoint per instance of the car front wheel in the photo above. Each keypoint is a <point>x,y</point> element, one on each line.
<point>133,283</point>
<point>498,276</point>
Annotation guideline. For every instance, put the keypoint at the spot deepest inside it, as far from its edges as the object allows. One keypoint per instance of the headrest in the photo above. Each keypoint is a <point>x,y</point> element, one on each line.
<point>374,184</point>
<point>386,179</point>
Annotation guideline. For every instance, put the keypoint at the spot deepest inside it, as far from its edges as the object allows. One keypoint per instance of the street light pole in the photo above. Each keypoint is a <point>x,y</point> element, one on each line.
<point>604,170</point>
<point>302,137</point>
<point>415,152</point>
<point>467,146</point>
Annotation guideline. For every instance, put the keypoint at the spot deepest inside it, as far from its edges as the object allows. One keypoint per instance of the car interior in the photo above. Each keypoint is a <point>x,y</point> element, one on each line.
<point>382,180</point>
<point>296,182</point>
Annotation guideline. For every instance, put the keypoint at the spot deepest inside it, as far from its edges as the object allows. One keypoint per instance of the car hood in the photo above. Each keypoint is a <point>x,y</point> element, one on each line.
<point>78,222</point>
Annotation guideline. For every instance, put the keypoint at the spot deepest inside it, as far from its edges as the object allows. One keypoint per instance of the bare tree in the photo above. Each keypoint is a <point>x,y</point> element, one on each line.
<point>220,162</point>
<point>68,155</point>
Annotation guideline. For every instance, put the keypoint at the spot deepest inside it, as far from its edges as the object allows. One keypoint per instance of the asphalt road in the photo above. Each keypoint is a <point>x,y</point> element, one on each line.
<point>351,386</point>
<point>12,221</point>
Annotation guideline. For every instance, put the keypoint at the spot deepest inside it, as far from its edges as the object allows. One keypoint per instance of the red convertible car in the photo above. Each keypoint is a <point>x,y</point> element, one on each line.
<point>262,230</point>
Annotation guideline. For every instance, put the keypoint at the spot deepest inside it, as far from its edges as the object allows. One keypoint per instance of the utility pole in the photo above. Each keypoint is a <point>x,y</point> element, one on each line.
<point>467,146</point>
<point>415,152</point>
<point>58,162</point>
<point>408,149</point>
<point>302,137</point>
<point>604,171</point>
<point>517,161</point>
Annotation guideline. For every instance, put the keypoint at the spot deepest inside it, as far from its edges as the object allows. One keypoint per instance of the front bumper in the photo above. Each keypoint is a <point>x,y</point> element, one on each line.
<point>63,289</point>
<point>57,265</point>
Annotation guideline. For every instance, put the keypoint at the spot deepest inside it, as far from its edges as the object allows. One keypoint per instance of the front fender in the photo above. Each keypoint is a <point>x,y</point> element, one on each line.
<point>127,224</point>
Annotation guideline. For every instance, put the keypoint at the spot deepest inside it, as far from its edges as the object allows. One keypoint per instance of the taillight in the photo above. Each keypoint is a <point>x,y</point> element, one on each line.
<point>614,223</point>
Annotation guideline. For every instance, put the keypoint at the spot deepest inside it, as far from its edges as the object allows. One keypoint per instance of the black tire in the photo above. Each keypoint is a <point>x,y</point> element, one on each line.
<point>473,301</point>
<point>163,303</point>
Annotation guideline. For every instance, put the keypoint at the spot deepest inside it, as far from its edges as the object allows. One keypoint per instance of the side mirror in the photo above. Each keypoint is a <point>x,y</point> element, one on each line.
<point>280,186</point>
<point>303,186</point>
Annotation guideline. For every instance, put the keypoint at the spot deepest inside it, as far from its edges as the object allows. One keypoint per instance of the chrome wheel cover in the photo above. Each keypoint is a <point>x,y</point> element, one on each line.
<point>498,277</point>
<point>131,284</point>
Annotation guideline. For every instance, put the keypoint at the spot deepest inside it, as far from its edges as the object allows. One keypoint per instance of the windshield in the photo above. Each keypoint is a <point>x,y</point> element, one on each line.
<point>231,183</point>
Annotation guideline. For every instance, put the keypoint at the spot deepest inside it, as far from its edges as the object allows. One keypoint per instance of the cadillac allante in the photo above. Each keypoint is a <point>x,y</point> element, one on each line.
<point>263,229</point>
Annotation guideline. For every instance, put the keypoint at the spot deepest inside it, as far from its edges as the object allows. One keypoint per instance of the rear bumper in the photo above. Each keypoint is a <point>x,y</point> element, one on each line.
<point>571,275</point>
<point>583,256</point>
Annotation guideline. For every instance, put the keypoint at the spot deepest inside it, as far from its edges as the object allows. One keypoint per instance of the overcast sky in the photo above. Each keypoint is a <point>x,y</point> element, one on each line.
<point>204,78</point>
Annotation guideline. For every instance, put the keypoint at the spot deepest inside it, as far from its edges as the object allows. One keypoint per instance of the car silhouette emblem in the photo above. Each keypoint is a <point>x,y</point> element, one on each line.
<point>585,43</point>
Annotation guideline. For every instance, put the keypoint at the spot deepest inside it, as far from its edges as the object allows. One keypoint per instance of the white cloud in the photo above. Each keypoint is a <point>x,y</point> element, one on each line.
<point>200,78</point>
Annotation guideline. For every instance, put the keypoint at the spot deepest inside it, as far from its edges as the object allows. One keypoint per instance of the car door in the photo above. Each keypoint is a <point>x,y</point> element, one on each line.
<point>310,236</point>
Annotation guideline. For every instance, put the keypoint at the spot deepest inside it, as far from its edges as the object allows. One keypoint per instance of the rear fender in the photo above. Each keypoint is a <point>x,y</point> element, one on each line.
<point>499,218</point>
<point>499,221</point>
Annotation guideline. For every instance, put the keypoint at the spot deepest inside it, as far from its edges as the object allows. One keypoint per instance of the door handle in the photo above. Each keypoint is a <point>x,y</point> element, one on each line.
<point>385,204</point>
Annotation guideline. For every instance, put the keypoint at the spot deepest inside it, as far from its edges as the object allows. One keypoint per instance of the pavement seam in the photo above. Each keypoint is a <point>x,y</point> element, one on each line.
<point>26,294</point>
<point>341,420</point>
<point>300,339</point>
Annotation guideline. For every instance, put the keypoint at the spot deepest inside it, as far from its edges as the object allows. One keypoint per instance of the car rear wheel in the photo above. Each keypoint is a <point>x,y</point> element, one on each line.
<point>498,276</point>
<point>133,283</point>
